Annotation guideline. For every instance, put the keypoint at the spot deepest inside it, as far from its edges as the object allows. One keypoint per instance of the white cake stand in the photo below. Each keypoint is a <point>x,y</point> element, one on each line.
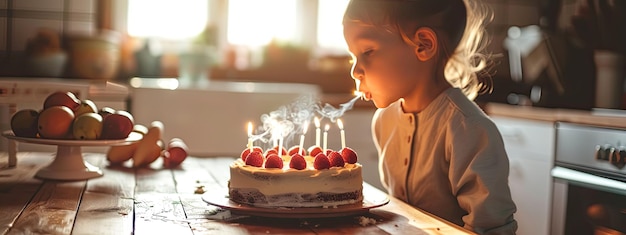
<point>68,163</point>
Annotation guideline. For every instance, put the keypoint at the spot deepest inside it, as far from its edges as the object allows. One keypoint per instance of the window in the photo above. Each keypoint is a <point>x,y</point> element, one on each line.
<point>256,23</point>
<point>329,27</point>
<point>167,19</point>
<point>248,23</point>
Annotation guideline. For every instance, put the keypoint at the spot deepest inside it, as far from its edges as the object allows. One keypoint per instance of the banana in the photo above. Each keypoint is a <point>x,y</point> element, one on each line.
<point>150,146</point>
<point>119,154</point>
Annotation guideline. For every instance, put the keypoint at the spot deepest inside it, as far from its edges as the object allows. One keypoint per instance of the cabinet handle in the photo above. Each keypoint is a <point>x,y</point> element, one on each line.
<point>588,180</point>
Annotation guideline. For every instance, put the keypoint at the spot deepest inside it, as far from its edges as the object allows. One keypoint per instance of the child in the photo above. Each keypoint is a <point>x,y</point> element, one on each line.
<point>417,61</point>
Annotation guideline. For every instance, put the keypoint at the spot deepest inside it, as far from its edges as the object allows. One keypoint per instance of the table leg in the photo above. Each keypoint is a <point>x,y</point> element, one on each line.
<point>12,153</point>
<point>12,144</point>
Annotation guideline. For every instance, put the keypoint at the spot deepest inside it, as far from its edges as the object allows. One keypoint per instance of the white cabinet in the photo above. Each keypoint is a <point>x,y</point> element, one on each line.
<point>211,117</point>
<point>530,147</point>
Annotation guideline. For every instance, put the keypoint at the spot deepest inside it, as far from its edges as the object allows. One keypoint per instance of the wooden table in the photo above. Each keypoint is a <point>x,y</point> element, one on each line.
<point>161,201</point>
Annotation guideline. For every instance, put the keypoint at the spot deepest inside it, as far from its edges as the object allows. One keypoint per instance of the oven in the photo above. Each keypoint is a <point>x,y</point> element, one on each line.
<point>589,190</point>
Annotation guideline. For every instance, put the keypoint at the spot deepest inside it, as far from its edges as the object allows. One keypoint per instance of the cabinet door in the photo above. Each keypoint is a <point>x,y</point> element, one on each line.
<point>531,184</point>
<point>530,147</point>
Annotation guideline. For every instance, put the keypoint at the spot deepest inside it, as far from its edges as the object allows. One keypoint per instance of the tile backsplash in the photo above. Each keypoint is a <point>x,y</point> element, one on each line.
<point>20,20</point>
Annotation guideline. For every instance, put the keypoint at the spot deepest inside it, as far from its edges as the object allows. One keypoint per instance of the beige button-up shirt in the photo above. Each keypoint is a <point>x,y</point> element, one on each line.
<point>448,160</point>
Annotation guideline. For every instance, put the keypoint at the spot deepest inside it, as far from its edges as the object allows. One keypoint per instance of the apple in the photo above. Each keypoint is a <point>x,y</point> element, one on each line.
<point>24,123</point>
<point>60,98</point>
<point>105,111</point>
<point>175,153</point>
<point>117,125</point>
<point>86,106</point>
<point>55,122</point>
<point>87,126</point>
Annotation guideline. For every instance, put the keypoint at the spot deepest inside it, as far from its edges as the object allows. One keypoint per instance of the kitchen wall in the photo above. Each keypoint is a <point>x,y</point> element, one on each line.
<point>20,20</point>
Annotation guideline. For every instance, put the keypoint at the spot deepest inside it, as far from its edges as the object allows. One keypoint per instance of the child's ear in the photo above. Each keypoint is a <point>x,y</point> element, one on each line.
<point>426,41</point>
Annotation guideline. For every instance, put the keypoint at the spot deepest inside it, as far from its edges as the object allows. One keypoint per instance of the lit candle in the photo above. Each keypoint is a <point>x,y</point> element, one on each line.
<point>317,131</point>
<point>326,137</point>
<point>250,142</point>
<point>343,133</point>
<point>304,130</point>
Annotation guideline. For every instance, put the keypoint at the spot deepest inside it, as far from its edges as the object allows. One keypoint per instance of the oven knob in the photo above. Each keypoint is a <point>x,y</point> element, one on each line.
<point>617,153</point>
<point>619,157</point>
<point>603,152</point>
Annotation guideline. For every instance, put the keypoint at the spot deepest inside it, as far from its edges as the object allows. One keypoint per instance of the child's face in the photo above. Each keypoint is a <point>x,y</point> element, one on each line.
<point>383,62</point>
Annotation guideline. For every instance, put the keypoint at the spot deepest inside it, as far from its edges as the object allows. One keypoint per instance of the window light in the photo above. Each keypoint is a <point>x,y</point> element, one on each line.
<point>329,26</point>
<point>167,19</point>
<point>256,23</point>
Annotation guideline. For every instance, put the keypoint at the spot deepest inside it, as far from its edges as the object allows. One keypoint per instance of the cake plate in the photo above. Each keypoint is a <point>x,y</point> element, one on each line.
<point>68,163</point>
<point>371,199</point>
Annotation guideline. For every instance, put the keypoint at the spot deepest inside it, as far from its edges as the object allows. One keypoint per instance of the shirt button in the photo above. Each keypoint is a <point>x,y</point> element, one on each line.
<point>411,119</point>
<point>406,161</point>
<point>408,139</point>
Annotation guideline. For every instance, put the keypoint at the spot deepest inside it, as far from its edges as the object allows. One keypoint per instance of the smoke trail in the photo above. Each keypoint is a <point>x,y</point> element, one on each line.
<point>333,113</point>
<point>288,121</point>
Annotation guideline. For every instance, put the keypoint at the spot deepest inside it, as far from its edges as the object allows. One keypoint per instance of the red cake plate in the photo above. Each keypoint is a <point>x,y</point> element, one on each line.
<point>68,163</point>
<point>372,198</point>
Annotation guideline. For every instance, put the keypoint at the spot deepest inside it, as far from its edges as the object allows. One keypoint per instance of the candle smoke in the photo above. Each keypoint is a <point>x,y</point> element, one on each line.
<point>290,120</point>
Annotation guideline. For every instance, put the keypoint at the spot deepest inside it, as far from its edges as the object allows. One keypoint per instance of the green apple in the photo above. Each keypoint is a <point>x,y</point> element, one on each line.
<point>86,106</point>
<point>87,126</point>
<point>24,123</point>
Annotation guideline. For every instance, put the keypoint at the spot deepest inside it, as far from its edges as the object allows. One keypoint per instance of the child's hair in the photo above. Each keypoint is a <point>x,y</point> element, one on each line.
<point>459,26</point>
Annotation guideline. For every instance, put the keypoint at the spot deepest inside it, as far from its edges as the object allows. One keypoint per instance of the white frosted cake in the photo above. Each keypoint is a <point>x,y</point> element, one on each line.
<point>266,180</point>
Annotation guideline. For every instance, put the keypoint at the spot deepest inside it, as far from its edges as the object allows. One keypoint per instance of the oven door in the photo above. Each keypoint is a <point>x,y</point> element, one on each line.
<point>587,204</point>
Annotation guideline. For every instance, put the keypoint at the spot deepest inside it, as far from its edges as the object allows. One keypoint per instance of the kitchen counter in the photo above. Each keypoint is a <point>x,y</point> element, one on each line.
<point>154,200</point>
<point>598,117</point>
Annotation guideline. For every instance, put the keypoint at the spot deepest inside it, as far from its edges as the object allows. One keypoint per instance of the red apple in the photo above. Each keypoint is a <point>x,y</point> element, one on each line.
<point>175,153</point>
<point>61,98</point>
<point>117,125</point>
<point>56,122</point>
<point>106,111</point>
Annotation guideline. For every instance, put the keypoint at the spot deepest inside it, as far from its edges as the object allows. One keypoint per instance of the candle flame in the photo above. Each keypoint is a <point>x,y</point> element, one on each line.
<point>326,127</point>
<point>340,124</point>
<point>317,122</point>
<point>249,129</point>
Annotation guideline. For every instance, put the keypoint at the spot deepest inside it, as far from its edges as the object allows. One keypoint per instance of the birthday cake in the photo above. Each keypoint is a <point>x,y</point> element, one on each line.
<point>295,178</point>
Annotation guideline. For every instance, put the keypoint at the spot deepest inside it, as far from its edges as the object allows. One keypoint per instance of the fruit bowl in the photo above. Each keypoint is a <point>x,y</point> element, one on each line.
<point>68,163</point>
